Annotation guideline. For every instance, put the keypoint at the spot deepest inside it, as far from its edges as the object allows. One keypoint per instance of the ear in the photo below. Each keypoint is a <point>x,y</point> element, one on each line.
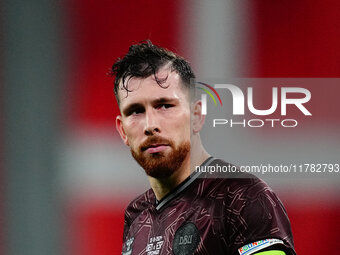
<point>198,118</point>
<point>120,129</point>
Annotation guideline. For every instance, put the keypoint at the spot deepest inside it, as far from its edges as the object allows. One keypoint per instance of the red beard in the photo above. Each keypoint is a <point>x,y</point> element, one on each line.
<point>159,165</point>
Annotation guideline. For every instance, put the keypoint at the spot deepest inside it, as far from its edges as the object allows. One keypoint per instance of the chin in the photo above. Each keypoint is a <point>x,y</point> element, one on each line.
<point>163,165</point>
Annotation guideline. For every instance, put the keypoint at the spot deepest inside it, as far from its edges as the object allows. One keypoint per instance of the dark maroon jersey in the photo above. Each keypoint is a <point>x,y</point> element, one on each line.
<point>237,215</point>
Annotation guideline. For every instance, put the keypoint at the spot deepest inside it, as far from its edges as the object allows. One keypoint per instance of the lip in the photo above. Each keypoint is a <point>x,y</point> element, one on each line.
<point>155,148</point>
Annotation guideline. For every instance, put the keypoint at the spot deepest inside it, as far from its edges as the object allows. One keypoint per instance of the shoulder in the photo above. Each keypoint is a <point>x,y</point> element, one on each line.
<point>231,181</point>
<point>252,210</point>
<point>138,205</point>
<point>247,194</point>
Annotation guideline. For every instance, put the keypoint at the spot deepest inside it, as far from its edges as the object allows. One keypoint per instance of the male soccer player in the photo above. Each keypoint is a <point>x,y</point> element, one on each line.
<point>184,212</point>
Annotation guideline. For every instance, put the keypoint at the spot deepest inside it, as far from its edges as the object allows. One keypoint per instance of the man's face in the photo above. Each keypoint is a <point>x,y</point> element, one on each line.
<point>155,123</point>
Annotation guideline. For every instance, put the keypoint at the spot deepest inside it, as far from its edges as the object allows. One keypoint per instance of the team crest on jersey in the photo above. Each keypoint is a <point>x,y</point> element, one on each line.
<point>259,245</point>
<point>186,239</point>
<point>127,248</point>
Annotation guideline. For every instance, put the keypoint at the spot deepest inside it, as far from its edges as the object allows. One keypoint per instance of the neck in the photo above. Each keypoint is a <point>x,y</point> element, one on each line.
<point>163,186</point>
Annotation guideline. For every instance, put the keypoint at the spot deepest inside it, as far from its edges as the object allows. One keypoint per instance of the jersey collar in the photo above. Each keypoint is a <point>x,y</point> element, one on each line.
<point>182,186</point>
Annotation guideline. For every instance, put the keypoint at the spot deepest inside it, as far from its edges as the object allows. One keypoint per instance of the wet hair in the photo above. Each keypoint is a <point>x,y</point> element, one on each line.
<point>145,59</point>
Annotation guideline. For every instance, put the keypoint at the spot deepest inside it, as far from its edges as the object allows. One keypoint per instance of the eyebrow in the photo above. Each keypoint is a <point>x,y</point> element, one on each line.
<point>164,100</point>
<point>135,106</point>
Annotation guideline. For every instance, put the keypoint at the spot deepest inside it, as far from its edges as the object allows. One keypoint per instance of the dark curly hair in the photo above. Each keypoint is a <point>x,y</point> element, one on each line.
<point>145,59</point>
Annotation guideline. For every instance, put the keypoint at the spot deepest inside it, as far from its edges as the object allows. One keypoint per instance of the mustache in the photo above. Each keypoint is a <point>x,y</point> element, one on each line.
<point>154,140</point>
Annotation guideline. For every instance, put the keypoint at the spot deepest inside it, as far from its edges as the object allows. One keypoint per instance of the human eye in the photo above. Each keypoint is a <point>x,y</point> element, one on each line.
<point>165,106</point>
<point>135,111</point>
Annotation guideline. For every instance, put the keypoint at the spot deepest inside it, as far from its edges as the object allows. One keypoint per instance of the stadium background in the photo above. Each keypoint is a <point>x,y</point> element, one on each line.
<point>66,176</point>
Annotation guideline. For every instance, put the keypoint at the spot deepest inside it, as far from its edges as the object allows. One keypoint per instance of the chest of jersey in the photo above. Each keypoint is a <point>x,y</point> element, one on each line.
<point>180,228</point>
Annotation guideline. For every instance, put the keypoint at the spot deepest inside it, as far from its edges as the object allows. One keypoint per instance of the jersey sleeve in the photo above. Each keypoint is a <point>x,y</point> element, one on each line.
<point>260,222</point>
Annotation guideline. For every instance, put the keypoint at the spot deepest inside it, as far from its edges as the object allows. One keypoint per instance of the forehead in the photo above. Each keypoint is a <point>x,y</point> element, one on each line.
<point>144,89</point>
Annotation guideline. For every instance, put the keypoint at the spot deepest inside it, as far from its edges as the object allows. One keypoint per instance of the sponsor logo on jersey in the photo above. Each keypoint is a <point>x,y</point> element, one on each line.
<point>127,249</point>
<point>186,239</point>
<point>155,245</point>
<point>258,245</point>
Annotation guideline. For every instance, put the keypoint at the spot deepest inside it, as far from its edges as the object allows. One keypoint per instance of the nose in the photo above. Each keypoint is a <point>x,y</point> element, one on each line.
<point>151,123</point>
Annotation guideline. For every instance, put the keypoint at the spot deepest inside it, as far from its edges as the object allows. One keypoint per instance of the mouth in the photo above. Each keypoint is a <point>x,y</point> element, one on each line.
<point>155,148</point>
